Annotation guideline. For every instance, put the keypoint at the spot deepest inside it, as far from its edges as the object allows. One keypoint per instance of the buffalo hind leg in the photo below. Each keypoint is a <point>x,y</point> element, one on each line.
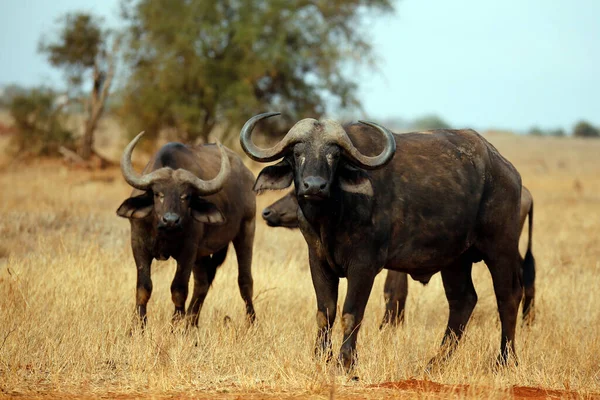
<point>360,284</point>
<point>462,298</point>
<point>243,244</point>
<point>505,272</point>
<point>204,273</point>
<point>326,286</point>
<point>395,292</point>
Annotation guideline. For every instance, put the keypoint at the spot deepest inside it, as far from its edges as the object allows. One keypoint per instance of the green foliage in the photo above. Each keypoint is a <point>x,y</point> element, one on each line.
<point>8,93</point>
<point>537,131</point>
<point>197,64</point>
<point>586,130</point>
<point>81,51</point>
<point>40,122</point>
<point>558,132</point>
<point>430,122</point>
<point>80,42</point>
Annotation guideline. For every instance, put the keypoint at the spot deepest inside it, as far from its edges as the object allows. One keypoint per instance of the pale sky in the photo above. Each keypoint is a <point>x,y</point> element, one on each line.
<point>508,64</point>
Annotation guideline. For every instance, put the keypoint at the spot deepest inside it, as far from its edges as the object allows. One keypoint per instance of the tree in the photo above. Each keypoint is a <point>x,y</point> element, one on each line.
<point>40,122</point>
<point>558,132</point>
<point>430,122</point>
<point>8,93</point>
<point>585,129</point>
<point>81,50</point>
<point>536,131</point>
<point>197,64</point>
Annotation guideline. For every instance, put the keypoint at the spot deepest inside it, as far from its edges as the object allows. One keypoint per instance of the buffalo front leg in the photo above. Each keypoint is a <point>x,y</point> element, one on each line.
<point>204,272</point>
<point>395,292</point>
<point>326,286</point>
<point>143,262</point>
<point>179,289</point>
<point>243,245</point>
<point>462,298</point>
<point>360,284</point>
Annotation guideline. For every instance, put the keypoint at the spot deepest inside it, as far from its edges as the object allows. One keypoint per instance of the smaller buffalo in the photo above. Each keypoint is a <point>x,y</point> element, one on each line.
<point>284,213</point>
<point>189,204</point>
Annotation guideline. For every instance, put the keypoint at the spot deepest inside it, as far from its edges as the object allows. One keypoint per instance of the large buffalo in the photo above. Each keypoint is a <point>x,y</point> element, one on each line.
<point>189,204</point>
<point>284,213</point>
<point>441,202</point>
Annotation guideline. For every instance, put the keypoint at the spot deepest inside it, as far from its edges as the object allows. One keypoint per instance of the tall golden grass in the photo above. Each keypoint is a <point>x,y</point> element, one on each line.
<point>67,281</point>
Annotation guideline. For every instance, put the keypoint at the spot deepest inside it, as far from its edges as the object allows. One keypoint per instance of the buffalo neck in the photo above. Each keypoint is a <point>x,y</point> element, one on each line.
<point>331,221</point>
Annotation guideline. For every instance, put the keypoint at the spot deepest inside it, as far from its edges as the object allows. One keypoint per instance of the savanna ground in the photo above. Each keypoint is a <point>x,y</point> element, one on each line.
<point>67,281</point>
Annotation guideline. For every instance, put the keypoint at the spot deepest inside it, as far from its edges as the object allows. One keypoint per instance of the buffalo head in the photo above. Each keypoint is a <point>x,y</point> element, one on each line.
<point>172,195</point>
<point>318,156</point>
<point>284,212</point>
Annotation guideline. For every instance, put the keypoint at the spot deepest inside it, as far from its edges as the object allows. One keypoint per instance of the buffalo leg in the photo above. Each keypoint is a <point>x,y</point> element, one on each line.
<point>462,299</point>
<point>326,286</point>
<point>243,249</point>
<point>204,272</point>
<point>143,263</point>
<point>179,289</point>
<point>395,292</point>
<point>359,289</point>
<point>507,286</point>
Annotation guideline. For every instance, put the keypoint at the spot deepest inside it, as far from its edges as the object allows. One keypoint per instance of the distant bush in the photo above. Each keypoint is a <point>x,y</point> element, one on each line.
<point>559,132</point>
<point>586,130</point>
<point>536,131</point>
<point>39,122</point>
<point>430,122</point>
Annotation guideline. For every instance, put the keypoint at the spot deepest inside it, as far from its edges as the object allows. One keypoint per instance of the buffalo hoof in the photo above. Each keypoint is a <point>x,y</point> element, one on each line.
<point>504,360</point>
<point>321,354</point>
<point>435,364</point>
<point>347,361</point>
<point>250,314</point>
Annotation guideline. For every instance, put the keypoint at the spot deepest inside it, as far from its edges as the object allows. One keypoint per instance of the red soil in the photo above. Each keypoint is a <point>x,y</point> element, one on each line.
<point>516,392</point>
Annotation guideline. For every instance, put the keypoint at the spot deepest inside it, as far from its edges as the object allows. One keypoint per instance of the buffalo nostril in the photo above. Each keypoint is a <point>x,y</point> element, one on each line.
<point>266,212</point>
<point>170,218</point>
<point>314,183</point>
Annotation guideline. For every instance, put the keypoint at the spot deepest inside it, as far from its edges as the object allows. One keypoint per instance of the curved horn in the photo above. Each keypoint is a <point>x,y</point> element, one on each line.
<point>142,182</point>
<point>256,153</point>
<point>367,162</point>
<point>207,187</point>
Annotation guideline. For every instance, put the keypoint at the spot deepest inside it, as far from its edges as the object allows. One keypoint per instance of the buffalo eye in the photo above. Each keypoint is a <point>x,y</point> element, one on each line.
<point>330,158</point>
<point>160,196</point>
<point>184,197</point>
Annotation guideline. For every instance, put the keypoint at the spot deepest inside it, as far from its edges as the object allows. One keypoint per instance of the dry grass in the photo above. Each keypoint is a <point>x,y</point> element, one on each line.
<point>67,282</point>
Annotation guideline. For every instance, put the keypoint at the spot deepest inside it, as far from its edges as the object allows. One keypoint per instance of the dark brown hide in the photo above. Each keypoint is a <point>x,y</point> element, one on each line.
<point>446,199</point>
<point>283,213</point>
<point>203,228</point>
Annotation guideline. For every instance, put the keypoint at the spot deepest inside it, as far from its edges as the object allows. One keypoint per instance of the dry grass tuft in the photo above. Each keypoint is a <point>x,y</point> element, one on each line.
<point>67,282</point>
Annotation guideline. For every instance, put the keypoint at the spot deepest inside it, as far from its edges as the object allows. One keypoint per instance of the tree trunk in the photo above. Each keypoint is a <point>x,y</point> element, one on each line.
<point>95,112</point>
<point>87,142</point>
<point>95,106</point>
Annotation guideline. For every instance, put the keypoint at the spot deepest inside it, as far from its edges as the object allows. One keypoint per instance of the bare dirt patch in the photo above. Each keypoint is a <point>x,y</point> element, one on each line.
<point>417,386</point>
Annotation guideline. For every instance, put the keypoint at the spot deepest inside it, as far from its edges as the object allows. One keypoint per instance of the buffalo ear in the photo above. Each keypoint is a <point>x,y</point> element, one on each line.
<point>136,207</point>
<point>274,177</point>
<point>354,180</point>
<point>206,212</point>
